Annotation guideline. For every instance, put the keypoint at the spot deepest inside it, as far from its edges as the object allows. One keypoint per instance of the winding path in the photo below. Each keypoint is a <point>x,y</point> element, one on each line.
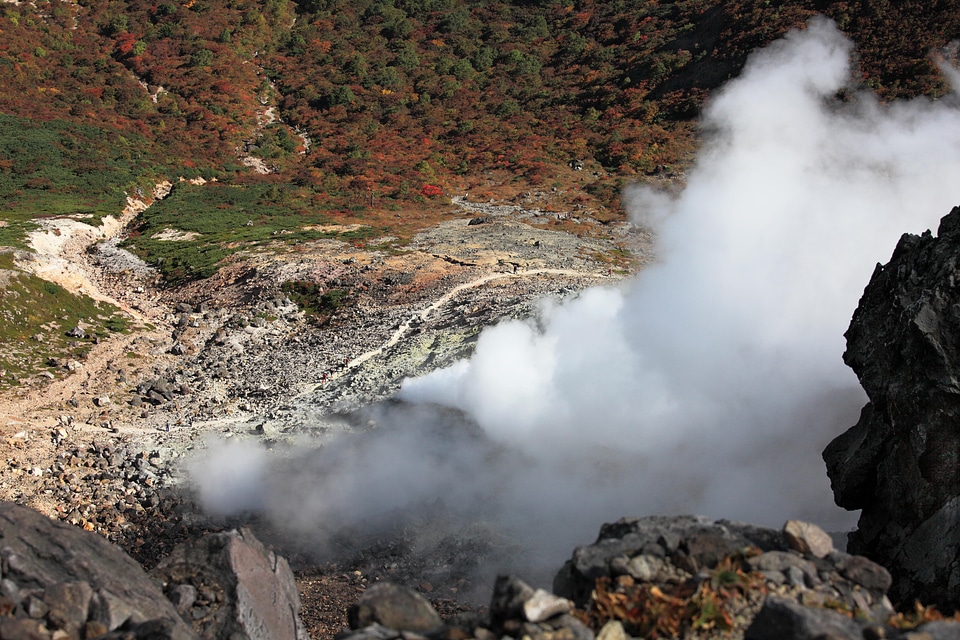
<point>422,315</point>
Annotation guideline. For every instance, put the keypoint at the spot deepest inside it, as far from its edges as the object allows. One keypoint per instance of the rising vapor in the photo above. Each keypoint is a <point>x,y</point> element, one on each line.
<point>709,383</point>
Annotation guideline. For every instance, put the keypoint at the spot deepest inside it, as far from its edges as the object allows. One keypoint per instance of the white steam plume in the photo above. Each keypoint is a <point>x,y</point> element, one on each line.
<point>720,367</point>
<point>711,382</point>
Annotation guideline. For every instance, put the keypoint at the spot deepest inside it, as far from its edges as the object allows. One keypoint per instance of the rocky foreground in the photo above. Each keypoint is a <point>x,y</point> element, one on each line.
<point>681,577</point>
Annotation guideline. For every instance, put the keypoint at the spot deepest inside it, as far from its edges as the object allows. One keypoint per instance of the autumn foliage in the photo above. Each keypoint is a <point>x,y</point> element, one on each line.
<point>380,99</point>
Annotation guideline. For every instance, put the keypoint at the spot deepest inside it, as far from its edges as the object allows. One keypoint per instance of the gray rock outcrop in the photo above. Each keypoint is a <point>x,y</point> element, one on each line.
<point>900,463</point>
<point>59,577</point>
<point>658,546</point>
<point>678,576</point>
<point>59,582</point>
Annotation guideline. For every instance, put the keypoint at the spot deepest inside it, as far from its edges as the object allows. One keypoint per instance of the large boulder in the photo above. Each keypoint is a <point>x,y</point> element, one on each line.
<point>58,581</point>
<point>59,577</point>
<point>230,586</point>
<point>900,463</point>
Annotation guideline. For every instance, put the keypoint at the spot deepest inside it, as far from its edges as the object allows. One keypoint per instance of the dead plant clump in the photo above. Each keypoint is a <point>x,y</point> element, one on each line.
<point>671,610</point>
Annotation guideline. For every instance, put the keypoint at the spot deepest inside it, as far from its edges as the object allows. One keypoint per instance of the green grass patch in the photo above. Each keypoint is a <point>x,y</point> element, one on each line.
<point>55,168</point>
<point>318,304</point>
<point>35,316</point>
<point>213,221</point>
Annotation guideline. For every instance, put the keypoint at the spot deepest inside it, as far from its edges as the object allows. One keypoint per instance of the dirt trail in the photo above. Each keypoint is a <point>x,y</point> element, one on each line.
<point>422,316</point>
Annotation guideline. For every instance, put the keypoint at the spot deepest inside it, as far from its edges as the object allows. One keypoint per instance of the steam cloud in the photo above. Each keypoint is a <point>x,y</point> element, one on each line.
<point>709,383</point>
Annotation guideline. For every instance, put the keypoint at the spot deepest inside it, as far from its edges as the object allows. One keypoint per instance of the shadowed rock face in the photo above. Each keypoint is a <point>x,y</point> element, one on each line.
<point>900,463</point>
<point>58,581</point>
<point>81,578</point>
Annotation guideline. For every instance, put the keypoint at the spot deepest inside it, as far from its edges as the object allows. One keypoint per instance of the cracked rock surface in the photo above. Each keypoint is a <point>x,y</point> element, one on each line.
<point>900,463</point>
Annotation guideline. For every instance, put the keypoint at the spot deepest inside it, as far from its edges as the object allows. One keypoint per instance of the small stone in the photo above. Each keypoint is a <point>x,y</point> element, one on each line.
<point>645,568</point>
<point>101,400</point>
<point>795,577</point>
<point>874,632</point>
<point>613,630</point>
<point>9,589</point>
<point>578,630</point>
<point>36,608</point>
<point>543,605</point>
<point>618,566</point>
<point>559,634</point>
<point>394,607</point>
<point>509,595</point>
<point>111,610</point>
<point>866,573</point>
<point>861,598</point>
<point>807,538</point>
<point>482,633</point>
<point>780,561</point>
<point>183,596</point>
<point>774,577</point>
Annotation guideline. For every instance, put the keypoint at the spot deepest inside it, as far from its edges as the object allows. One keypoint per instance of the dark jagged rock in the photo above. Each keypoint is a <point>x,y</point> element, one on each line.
<point>240,590</point>
<point>56,576</point>
<point>900,463</point>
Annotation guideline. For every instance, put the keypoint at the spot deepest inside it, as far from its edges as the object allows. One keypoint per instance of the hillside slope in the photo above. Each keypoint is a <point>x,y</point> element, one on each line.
<point>357,120</point>
<point>392,95</point>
